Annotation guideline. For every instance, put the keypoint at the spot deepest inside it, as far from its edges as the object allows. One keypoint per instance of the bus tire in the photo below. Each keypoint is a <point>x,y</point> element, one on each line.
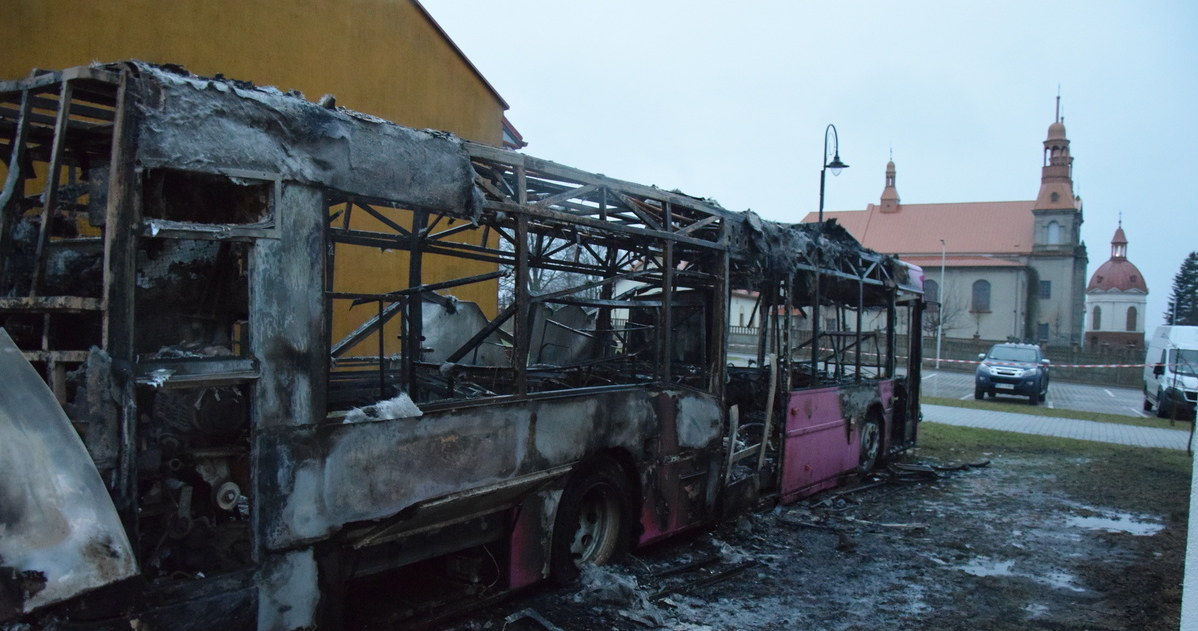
<point>871,445</point>
<point>593,522</point>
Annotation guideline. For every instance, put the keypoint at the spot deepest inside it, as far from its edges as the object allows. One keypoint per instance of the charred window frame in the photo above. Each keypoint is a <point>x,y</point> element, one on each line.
<point>56,133</point>
<point>194,252</point>
<point>588,280</point>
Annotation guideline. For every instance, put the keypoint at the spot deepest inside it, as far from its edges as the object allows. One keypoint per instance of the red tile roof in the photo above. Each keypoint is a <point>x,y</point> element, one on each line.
<point>951,260</point>
<point>966,227</point>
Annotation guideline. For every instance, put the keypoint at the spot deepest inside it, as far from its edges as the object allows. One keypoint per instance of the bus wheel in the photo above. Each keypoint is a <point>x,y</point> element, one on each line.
<point>871,445</point>
<point>592,524</point>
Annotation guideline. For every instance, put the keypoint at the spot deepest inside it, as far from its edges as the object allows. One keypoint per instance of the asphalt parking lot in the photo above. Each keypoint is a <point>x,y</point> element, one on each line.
<point>1067,396</point>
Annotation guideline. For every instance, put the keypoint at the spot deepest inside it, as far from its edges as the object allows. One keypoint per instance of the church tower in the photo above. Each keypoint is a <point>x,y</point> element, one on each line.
<point>890,196</point>
<point>1115,302</point>
<point>1058,255</point>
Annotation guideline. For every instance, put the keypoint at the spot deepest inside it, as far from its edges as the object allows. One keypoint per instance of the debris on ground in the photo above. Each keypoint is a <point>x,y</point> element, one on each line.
<point>969,545</point>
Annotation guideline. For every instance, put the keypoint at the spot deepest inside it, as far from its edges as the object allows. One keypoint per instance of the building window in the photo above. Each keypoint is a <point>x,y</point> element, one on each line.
<point>931,291</point>
<point>1042,332</point>
<point>1131,318</point>
<point>1096,324</point>
<point>1054,233</point>
<point>981,296</point>
<point>1045,289</point>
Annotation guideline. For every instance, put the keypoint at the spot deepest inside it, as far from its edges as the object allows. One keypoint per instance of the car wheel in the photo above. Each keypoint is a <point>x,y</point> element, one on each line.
<point>1160,405</point>
<point>1034,398</point>
<point>978,393</point>
<point>592,523</point>
<point>1147,405</point>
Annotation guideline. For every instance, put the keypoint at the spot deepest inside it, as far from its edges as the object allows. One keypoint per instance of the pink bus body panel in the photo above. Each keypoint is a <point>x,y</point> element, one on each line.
<point>822,442</point>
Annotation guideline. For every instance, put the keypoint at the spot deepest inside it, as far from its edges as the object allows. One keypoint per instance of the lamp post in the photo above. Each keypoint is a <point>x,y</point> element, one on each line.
<point>940,311</point>
<point>834,164</point>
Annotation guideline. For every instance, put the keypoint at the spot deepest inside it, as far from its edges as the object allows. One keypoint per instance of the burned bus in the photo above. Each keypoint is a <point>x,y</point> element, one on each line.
<point>258,352</point>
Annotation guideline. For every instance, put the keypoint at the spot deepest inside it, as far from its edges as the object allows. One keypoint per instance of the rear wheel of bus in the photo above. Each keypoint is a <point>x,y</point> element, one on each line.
<point>593,521</point>
<point>871,444</point>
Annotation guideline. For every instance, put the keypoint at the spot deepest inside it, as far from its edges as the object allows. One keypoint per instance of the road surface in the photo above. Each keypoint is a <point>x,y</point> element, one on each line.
<point>1066,396</point>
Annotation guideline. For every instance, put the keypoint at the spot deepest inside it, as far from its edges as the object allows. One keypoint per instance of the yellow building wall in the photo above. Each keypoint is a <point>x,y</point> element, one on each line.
<point>383,57</point>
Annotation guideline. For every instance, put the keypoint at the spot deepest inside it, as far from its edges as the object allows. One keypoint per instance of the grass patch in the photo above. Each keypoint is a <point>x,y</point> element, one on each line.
<point>1036,410</point>
<point>1137,479</point>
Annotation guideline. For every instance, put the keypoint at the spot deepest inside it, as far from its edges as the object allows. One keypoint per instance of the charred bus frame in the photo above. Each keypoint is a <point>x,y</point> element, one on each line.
<point>269,432</point>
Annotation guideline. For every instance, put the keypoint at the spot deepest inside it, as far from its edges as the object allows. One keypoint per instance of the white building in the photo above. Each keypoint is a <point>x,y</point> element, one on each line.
<point>1115,301</point>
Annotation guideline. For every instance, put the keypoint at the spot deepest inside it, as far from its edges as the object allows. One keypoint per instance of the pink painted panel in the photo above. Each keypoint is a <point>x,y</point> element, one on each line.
<point>820,443</point>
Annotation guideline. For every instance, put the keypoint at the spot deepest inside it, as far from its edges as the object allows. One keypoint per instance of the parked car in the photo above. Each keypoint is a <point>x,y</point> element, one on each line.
<point>1019,369</point>
<point>1171,372</point>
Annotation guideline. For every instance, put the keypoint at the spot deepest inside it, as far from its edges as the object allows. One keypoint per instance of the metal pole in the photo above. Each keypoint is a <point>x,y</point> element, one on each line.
<point>815,315</point>
<point>940,311</point>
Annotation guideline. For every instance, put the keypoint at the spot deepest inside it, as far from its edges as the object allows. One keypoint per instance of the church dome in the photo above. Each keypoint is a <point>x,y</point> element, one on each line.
<point>1056,131</point>
<point>1118,273</point>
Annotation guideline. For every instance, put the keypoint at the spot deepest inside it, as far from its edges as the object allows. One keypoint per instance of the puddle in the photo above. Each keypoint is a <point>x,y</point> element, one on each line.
<point>988,567</point>
<point>1061,580</point>
<point>1119,523</point>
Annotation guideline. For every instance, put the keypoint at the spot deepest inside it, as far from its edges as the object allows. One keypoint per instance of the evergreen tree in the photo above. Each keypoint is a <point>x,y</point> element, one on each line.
<point>1184,299</point>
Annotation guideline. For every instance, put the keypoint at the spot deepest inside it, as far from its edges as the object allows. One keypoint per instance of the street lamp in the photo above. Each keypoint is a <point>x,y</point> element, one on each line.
<point>834,164</point>
<point>940,311</point>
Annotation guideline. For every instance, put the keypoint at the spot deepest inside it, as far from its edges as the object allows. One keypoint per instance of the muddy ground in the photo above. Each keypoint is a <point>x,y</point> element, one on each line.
<point>1052,534</point>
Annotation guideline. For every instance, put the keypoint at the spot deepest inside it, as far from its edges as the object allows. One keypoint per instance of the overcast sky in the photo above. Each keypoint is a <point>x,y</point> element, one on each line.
<point>730,100</point>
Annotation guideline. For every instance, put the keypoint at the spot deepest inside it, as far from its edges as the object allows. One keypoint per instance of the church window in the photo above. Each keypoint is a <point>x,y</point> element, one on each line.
<point>1096,323</point>
<point>1045,289</point>
<point>1056,197</point>
<point>981,296</point>
<point>931,291</point>
<point>1131,318</point>
<point>1054,232</point>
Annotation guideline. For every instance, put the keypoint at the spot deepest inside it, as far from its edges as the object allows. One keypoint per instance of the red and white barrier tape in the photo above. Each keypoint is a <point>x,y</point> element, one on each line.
<point>975,362</point>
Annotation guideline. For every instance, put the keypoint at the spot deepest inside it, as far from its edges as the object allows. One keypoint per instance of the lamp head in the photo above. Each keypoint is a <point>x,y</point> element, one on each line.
<point>836,166</point>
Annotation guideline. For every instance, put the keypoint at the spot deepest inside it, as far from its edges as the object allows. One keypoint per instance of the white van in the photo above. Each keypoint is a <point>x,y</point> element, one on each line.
<point>1171,371</point>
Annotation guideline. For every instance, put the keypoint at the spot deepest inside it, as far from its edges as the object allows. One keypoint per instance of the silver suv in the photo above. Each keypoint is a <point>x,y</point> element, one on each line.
<point>1019,369</point>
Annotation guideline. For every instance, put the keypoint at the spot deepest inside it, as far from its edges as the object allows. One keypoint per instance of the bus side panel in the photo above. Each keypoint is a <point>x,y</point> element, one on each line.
<point>680,487</point>
<point>821,443</point>
<point>332,475</point>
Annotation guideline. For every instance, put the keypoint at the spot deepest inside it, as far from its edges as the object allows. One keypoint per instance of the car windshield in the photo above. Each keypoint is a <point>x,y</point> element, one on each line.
<point>1013,354</point>
<point>1185,361</point>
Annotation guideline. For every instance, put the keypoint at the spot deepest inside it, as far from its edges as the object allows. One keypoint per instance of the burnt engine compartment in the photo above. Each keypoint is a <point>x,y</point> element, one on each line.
<point>194,476</point>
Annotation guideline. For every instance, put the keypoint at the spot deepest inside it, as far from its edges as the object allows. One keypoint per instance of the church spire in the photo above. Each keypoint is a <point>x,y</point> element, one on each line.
<point>1119,243</point>
<point>890,196</point>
